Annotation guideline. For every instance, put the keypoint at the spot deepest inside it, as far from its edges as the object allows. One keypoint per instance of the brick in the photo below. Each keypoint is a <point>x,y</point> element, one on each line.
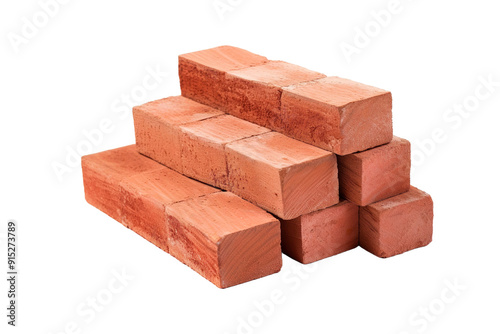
<point>144,197</point>
<point>156,127</point>
<point>284,176</point>
<point>224,238</point>
<point>103,172</point>
<point>397,225</point>
<point>375,174</point>
<point>134,190</point>
<point>338,115</point>
<point>321,234</point>
<point>203,74</point>
<point>203,144</point>
<point>255,92</point>
<point>303,178</point>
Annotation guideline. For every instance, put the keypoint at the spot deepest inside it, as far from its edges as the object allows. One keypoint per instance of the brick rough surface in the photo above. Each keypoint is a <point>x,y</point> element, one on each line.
<point>321,234</point>
<point>202,74</point>
<point>254,93</point>
<point>103,172</point>
<point>396,225</point>
<point>203,147</point>
<point>157,127</point>
<point>224,238</point>
<point>282,175</point>
<point>337,114</point>
<point>144,197</point>
<point>375,174</point>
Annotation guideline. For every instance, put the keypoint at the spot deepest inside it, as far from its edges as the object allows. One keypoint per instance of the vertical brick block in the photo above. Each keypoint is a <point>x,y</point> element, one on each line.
<point>338,115</point>
<point>375,174</point>
<point>203,74</point>
<point>224,238</point>
<point>157,127</point>
<point>321,234</point>
<point>254,93</point>
<point>203,145</point>
<point>282,175</point>
<point>103,172</point>
<point>396,225</point>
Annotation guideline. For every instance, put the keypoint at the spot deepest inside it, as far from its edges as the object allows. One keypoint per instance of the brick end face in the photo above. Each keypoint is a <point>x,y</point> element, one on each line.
<point>376,174</point>
<point>250,254</point>
<point>321,234</point>
<point>398,224</point>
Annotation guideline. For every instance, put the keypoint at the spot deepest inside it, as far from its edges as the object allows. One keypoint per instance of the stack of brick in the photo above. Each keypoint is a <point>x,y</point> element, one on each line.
<point>258,157</point>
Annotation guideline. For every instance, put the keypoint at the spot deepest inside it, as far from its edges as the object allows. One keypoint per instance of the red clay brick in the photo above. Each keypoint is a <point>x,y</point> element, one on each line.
<point>203,144</point>
<point>321,234</point>
<point>303,178</point>
<point>144,198</point>
<point>224,238</point>
<point>375,174</point>
<point>157,131</point>
<point>338,115</point>
<point>396,225</point>
<point>103,172</point>
<point>284,176</point>
<point>134,190</point>
<point>203,74</point>
<point>255,92</point>
<point>221,236</point>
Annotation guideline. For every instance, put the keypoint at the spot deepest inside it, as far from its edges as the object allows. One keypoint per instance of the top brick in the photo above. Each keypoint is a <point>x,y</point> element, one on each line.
<point>338,115</point>
<point>103,172</point>
<point>255,92</point>
<point>202,73</point>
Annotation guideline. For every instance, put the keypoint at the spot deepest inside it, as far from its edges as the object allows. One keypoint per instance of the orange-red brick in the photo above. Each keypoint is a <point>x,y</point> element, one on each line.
<point>157,127</point>
<point>338,115</point>
<point>202,74</point>
<point>397,224</point>
<point>321,234</point>
<point>375,174</point>
<point>282,175</point>
<point>203,146</point>
<point>224,238</point>
<point>254,93</point>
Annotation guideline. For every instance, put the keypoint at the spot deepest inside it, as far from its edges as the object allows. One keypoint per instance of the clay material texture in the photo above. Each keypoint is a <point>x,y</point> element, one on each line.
<point>397,224</point>
<point>157,127</point>
<point>375,174</point>
<point>282,175</point>
<point>254,93</point>
<point>224,238</point>
<point>202,74</point>
<point>337,114</point>
<point>203,147</point>
<point>321,234</point>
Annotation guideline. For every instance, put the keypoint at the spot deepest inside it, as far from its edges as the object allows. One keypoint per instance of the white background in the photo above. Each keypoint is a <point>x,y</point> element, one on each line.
<point>73,73</point>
